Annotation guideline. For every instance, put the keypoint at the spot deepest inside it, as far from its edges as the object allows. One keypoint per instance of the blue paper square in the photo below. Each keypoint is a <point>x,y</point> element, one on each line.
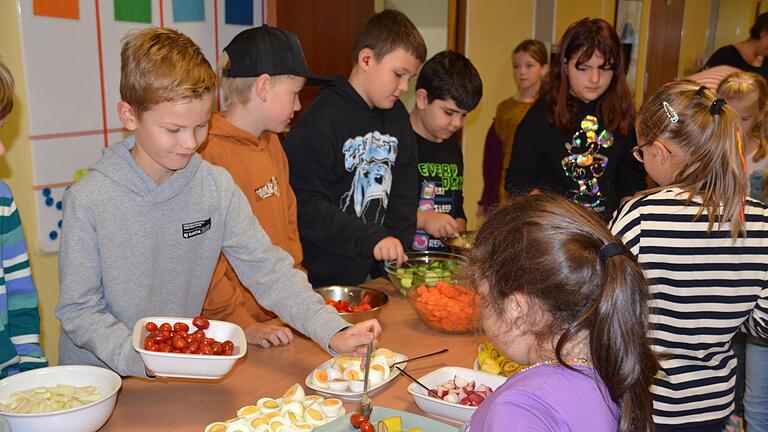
<point>188,10</point>
<point>238,12</point>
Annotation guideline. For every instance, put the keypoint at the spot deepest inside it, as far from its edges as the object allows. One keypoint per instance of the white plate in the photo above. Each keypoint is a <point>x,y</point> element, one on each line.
<point>445,409</point>
<point>347,394</point>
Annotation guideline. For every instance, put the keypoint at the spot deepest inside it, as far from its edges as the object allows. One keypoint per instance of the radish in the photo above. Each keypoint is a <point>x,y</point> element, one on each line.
<point>464,392</point>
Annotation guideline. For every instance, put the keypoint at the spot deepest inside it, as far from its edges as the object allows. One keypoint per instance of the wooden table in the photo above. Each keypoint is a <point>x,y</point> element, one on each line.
<point>190,405</point>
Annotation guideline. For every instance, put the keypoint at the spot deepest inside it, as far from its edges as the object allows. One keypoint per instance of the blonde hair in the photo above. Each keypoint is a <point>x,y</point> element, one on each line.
<point>714,170</point>
<point>750,87</point>
<point>234,89</point>
<point>162,65</point>
<point>6,91</point>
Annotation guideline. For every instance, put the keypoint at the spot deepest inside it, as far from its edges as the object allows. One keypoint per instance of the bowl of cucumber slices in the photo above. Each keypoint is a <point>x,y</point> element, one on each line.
<point>424,268</point>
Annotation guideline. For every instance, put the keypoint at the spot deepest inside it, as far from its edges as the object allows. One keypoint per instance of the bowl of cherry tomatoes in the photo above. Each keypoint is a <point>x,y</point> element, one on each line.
<point>188,347</point>
<point>354,304</point>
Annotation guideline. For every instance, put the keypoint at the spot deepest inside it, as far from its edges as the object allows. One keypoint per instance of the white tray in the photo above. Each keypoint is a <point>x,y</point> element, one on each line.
<point>350,395</point>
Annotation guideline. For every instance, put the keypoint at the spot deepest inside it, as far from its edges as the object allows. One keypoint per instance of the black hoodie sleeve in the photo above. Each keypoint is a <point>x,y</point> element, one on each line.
<point>321,222</point>
<point>404,195</point>
<point>526,154</point>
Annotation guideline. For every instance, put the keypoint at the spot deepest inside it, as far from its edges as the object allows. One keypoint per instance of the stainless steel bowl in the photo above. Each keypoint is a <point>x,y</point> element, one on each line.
<point>353,295</point>
<point>462,243</point>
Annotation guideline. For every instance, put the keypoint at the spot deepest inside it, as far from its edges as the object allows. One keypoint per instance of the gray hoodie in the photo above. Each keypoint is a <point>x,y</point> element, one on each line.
<point>131,249</point>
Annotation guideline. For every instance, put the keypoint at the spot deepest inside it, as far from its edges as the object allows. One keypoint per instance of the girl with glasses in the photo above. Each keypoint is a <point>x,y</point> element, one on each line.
<point>704,248</point>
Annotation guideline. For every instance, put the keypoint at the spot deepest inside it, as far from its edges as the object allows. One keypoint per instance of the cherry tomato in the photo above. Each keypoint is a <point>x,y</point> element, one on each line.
<point>227,352</point>
<point>206,350</point>
<point>216,348</point>
<point>356,419</point>
<point>200,323</point>
<point>366,426</point>
<point>165,327</point>
<point>180,327</point>
<point>228,345</point>
<point>151,327</point>
<point>179,343</point>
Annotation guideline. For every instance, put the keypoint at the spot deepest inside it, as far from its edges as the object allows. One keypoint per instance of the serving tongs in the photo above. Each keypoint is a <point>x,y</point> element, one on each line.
<point>366,405</point>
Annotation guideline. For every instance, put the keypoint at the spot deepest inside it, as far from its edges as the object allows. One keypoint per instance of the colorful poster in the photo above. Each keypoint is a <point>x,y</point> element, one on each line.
<point>188,10</point>
<point>69,9</point>
<point>139,11</point>
<point>238,12</point>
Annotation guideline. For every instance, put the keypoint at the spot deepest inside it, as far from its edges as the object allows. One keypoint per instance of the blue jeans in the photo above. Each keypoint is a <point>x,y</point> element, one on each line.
<point>756,394</point>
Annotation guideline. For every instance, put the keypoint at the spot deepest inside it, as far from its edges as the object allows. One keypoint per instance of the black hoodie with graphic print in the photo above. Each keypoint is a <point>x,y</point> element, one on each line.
<point>353,170</point>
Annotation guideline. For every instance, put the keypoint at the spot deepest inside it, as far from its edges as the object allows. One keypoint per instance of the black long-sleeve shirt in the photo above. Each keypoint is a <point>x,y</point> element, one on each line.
<point>591,166</point>
<point>353,170</point>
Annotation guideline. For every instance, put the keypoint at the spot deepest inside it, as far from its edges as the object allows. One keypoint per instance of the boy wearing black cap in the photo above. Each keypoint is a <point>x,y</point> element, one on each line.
<point>353,159</point>
<point>261,73</point>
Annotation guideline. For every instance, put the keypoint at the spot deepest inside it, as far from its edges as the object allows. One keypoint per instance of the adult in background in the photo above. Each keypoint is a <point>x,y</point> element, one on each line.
<point>750,55</point>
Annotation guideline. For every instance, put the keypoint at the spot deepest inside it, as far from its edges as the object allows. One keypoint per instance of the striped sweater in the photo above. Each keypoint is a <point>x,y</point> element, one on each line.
<point>704,288</point>
<point>19,319</point>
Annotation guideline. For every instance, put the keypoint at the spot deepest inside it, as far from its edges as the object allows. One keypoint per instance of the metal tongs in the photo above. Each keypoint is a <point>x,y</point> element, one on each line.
<point>366,406</point>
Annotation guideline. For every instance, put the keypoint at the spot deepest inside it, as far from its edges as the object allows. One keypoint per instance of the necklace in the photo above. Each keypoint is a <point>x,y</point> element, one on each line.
<point>574,361</point>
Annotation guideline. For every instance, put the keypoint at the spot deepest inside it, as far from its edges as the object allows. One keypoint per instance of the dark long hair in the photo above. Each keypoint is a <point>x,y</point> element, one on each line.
<point>583,39</point>
<point>548,249</point>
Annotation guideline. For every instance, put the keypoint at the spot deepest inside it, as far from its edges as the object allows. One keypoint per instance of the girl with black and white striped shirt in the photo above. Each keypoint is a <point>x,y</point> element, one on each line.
<point>703,246</point>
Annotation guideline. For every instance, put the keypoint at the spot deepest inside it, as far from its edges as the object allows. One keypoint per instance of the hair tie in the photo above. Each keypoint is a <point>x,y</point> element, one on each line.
<point>609,250</point>
<point>700,91</point>
<point>717,106</point>
<point>673,118</point>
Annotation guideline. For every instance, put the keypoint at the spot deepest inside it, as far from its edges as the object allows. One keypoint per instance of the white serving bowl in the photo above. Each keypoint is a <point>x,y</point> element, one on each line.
<point>86,418</point>
<point>176,365</point>
<point>445,409</point>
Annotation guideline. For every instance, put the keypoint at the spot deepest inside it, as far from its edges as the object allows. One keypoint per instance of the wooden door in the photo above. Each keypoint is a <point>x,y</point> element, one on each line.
<point>327,30</point>
<point>663,50</point>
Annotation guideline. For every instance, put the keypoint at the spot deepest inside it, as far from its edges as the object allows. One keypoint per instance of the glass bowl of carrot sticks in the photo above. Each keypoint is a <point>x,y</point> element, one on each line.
<point>447,306</point>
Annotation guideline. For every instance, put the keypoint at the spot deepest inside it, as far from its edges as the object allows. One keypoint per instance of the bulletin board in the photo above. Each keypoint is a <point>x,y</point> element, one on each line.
<point>71,51</point>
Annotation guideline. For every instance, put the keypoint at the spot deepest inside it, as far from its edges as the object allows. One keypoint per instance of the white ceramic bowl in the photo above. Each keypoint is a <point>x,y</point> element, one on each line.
<point>86,418</point>
<point>445,409</point>
<point>175,365</point>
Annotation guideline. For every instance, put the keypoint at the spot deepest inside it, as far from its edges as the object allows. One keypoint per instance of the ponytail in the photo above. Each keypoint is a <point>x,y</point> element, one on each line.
<point>564,258</point>
<point>617,323</point>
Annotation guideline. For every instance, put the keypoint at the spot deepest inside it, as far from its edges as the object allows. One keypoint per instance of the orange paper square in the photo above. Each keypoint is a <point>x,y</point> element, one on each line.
<point>69,9</point>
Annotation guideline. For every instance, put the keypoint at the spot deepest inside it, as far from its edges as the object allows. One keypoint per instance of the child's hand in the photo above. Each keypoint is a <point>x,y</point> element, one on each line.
<point>440,225</point>
<point>353,340</point>
<point>389,248</point>
<point>267,334</point>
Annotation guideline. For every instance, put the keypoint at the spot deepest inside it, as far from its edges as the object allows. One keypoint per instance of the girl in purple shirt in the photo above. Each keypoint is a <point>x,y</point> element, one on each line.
<point>563,295</point>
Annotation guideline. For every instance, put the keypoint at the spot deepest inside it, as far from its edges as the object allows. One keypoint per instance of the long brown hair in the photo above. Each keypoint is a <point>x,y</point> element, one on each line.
<point>548,249</point>
<point>713,172</point>
<point>583,39</point>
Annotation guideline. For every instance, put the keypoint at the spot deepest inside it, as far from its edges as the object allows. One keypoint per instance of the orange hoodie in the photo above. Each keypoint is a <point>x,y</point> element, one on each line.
<point>260,168</point>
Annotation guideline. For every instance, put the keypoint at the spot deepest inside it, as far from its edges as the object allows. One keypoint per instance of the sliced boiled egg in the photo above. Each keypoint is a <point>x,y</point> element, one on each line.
<point>339,384</point>
<point>320,377</point>
<point>303,427</point>
<point>388,354</point>
<point>353,373</point>
<point>314,416</point>
<point>239,425</point>
<point>277,422</point>
<point>258,422</point>
<point>286,428</point>
<point>294,407</point>
<point>260,428</point>
<point>375,377</point>
<point>310,400</point>
<point>268,405</point>
<point>248,410</point>
<point>296,392</point>
<point>356,386</point>
<point>331,407</point>
<point>293,417</point>
<point>343,362</point>
<point>216,427</point>
<point>381,366</point>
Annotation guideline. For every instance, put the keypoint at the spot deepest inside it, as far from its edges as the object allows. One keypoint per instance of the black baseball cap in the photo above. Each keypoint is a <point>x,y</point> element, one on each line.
<point>268,50</point>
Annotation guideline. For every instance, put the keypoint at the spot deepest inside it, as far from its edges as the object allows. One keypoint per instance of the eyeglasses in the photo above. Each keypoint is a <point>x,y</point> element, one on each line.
<point>637,151</point>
